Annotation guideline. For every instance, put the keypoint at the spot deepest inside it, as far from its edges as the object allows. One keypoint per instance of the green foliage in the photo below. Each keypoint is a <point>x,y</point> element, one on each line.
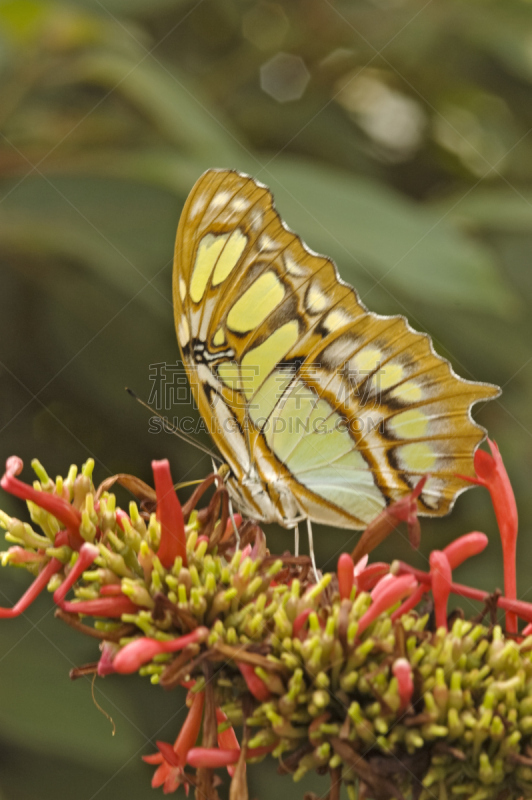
<point>408,159</point>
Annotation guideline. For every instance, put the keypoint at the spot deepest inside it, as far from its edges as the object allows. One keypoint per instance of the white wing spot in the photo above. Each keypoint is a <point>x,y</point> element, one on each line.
<point>292,267</point>
<point>336,319</point>
<point>267,243</point>
<point>197,205</point>
<point>316,300</point>
<point>255,219</point>
<point>183,332</point>
<point>220,199</point>
<point>240,204</point>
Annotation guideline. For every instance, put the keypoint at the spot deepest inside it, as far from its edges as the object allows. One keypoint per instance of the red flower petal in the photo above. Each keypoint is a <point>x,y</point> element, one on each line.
<point>492,474</point>
<point>59,508</point>
<point>102,607</point>
<point>256,686</point>
<point>188,735</point>
<point>87,554</point>
<point>40,582</point>
<point>402,670</point>
<point>440,571</point>
<point>464,547</point>
<point>346,575</point>
<point>387,596</point>
<point>141,651</point>
<point>170,515</point>
<point>227,738</point>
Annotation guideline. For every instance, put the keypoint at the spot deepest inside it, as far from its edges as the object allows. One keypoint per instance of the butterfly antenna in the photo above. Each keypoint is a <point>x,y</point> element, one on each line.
<point>171,428</point>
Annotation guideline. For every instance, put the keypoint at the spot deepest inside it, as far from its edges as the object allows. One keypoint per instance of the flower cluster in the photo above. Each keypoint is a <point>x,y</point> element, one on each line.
<point>350,675</point>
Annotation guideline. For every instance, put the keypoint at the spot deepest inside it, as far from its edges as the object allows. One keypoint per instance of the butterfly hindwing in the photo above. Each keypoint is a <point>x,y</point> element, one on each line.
<point>321,408</point>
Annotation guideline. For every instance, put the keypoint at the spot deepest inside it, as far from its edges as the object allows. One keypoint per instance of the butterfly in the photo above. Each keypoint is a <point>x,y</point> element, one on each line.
<point>322,409</point>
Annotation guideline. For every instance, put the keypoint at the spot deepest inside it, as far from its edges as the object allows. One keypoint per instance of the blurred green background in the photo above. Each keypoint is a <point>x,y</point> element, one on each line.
<point>396,136</point>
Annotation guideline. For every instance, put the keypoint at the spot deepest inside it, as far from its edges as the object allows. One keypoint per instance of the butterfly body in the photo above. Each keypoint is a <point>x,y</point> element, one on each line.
<point>322,409</point>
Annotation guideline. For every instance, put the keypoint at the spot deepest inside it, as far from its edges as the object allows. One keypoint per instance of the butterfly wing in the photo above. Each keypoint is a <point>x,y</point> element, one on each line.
<point>320,407</point>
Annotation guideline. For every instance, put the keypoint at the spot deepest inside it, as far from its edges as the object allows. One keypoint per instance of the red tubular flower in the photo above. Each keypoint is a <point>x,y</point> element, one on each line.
<point>471,544</point>
<point>441,575</point>
<point>346,575</point>
<point>381,585</point>
<point>387,596</point>
<point>229,530</point>
<point>410,603</point>
<point>170,760</point>
<point>87,554</point>
<point>227,738</point>
<point>188,735</point>
<point>299,622</point>
<point>40,582</point>
<point>111,590</point>
<point>519,607</point>
<point>135,654</point>
<point>121,517</point>
<point>256,686</point>
<point>167,774</point>
<point>102,607</point>
<point>57,506</point>
<point>368,577</point>
<point>168,753</point>
<point>492,474</point>
<point>18,555</point>
<point>402,670</point>
<point>212,757</point>
<point>169,513</point>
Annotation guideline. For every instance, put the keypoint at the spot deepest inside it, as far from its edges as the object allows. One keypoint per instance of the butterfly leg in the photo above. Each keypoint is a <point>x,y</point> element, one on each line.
<point>235,528</point>
<point>311,549</point>
<point>296,540</point>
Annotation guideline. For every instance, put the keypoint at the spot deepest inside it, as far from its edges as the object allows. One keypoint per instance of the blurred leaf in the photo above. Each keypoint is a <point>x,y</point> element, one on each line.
<point>166,98</point>
<point>503,30</point>
<point>409,247</point>
<point>131,7</point>
<point>75,219</point>
<point>23,19</point>
<point>423,253</point>
<point>503,208</point>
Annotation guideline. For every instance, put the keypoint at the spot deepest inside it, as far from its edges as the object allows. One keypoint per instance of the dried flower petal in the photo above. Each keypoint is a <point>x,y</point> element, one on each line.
<point>404,510</point>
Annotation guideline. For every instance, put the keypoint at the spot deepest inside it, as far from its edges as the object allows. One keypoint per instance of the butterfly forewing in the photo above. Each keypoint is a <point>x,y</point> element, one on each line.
<point>322,409</point>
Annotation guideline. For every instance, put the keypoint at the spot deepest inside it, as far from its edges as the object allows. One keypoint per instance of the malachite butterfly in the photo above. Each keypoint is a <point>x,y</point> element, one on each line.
<point>322,409</point>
